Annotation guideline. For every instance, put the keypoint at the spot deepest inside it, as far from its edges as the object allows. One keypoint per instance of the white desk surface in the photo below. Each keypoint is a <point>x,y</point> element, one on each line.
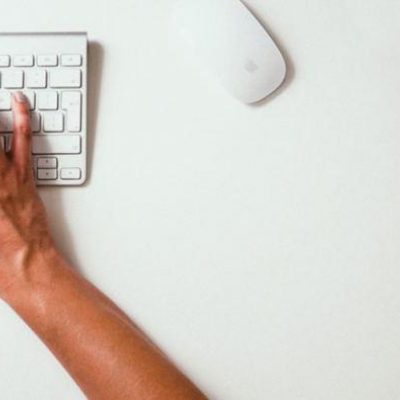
<point>259,246</point>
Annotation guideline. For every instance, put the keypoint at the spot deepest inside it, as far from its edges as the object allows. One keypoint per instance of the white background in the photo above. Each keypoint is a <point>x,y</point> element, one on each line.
<point>259,246</point>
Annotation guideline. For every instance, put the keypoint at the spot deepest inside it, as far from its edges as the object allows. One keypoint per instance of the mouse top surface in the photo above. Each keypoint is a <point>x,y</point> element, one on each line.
<point>233,44</point>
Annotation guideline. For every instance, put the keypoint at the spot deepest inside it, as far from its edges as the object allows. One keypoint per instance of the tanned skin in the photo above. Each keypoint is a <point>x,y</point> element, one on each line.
<point>102,349</point>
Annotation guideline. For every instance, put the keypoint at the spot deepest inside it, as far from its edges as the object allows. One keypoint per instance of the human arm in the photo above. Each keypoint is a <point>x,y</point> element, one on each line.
<point>103,350</point>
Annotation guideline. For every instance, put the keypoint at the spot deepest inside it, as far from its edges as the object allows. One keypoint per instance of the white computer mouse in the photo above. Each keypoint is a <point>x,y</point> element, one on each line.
<point>233,44</point>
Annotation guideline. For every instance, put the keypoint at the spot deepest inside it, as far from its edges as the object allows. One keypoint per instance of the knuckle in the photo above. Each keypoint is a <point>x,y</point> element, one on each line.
<point>23,127</point>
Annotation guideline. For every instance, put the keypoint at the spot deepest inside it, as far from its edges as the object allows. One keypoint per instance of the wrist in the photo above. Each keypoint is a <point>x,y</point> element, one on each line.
<point>35,270</point>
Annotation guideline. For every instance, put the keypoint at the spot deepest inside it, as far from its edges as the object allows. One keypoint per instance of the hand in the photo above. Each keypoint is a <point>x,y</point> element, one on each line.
<point>24,231</point>
<point>104,351</point>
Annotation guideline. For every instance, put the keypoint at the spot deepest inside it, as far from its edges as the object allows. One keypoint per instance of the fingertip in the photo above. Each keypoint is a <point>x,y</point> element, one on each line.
<point>20,101</point>
<point>21,111</point>
<point>19,97</point>
<point>21,143</point>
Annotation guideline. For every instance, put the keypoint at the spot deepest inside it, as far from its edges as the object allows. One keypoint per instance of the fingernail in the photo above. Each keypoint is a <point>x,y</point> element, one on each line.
<point>20,97</point>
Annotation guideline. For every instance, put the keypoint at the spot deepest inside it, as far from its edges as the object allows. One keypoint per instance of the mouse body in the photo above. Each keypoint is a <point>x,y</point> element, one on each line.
<point>233,44</point>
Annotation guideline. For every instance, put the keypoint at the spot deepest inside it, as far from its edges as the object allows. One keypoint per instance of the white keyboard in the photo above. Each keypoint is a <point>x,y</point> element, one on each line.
<point>51,70</point>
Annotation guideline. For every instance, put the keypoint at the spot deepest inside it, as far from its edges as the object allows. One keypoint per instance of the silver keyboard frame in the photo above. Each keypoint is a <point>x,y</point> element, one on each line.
<point>36,43</point>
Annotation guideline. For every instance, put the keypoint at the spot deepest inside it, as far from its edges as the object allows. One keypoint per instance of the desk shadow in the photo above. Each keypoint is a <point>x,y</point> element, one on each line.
<point>290,73</point>
<point>59,224</point>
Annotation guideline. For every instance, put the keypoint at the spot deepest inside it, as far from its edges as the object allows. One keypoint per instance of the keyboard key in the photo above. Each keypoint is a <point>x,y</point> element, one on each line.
<point>4,61</point>
<point>48,60</point>
<point>5,100</point>
<point>71,60</point>
<point>35,122</point>
<point>6,121</point>
<point>23,61</point>
<point>70,173</point>
<point>13,79</point>
<point>47,162</point>
<point>47,100</point>
<point>53,121</point>
<point>65,78</point>
<point>72,104</point>
<point>56,144</point>
<point>36,78</point>
<point>30,95</point>
<point>47,174</point>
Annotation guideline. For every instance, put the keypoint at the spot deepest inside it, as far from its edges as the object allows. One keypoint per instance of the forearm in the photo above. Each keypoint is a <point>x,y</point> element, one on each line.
<point>107,355</point>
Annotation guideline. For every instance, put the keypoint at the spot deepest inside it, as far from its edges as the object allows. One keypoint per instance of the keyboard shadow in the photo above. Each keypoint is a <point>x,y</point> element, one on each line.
<point>95,71</point>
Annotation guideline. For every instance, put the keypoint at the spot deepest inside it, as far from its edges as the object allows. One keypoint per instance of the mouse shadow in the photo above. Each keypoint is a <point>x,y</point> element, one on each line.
<point>53,196</point>
<point>290,67</point>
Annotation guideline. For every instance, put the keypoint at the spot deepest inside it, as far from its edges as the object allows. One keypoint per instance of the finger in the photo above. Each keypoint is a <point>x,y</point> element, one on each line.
<point>4,123</point>
<point>22,138</point>
<point>2,145</point>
